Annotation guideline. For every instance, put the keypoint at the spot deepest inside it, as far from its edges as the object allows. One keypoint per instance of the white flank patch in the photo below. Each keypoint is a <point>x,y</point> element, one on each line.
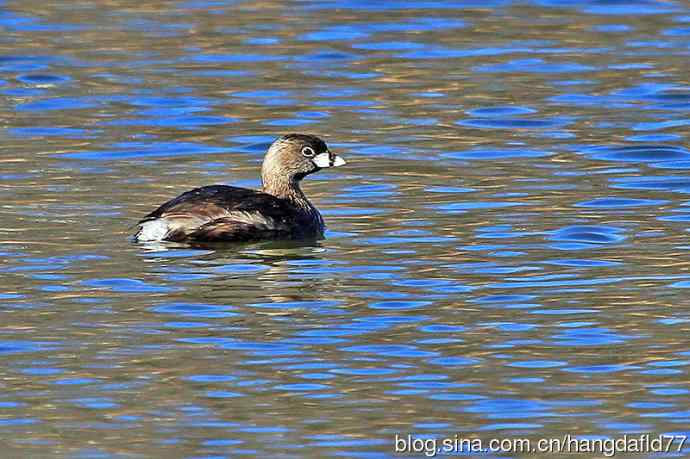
<point>157,230</point>
<point>153,230</point>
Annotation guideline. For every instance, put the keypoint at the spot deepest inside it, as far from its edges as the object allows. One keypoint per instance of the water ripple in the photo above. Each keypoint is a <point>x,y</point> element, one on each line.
<point>506,246</point>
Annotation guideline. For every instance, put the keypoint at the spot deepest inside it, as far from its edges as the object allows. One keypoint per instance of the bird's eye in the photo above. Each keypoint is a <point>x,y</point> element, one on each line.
<point>308,152</point>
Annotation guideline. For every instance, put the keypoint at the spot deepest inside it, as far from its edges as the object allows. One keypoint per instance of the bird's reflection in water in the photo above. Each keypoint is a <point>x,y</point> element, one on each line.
<point>285,248</point>
<point>257,273</point>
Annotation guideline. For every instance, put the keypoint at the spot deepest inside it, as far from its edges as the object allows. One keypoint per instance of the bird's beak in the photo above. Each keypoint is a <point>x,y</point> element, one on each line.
<point>328,159</point>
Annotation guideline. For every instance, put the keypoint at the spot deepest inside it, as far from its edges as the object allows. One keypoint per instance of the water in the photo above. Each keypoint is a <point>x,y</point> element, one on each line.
<point>507,254</point>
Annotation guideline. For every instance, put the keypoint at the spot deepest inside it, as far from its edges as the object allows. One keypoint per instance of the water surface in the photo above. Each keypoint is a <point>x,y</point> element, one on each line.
<point>507,253</point>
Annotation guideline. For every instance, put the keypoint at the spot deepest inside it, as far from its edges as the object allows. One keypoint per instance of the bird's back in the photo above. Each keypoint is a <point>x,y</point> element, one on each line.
<point>220,213</point>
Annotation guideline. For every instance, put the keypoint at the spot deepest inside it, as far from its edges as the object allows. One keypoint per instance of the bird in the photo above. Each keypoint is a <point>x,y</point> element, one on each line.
<point>279,210</point>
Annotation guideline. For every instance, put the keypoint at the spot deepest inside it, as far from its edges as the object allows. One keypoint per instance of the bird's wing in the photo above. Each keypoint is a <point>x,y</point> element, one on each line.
<point>240,227</point>
<point>209,201</point>
<point>215,212</point>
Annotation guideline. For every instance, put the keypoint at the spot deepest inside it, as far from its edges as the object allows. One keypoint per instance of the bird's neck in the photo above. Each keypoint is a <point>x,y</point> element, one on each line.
<point>284,188</point>
<point>289,189</point>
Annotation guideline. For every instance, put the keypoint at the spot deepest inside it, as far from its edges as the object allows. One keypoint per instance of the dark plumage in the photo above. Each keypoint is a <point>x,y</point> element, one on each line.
<point>226,213</point>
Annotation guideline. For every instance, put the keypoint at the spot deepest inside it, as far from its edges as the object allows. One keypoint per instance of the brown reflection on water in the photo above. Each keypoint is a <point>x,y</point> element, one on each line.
<point>456,292</point>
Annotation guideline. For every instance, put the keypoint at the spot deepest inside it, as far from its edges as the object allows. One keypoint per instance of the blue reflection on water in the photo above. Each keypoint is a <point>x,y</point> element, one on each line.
<point>520,224</point>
